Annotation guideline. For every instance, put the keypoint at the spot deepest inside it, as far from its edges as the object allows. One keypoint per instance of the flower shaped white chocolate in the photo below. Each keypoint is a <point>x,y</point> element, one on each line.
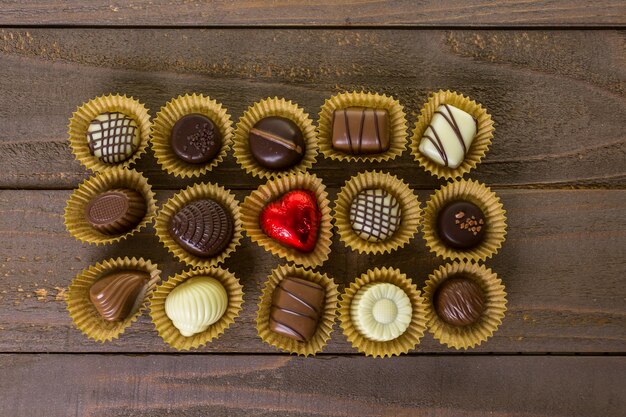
<point>196,304</point>
<point>381,311</point>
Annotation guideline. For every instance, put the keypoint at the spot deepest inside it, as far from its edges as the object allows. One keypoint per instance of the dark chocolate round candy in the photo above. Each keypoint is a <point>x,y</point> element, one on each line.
<point>115,211</point>
<point>195,139</point>
<point>461,225</point>
<point>459,301</point>
<point>203,228</point>
<point>276,143</point>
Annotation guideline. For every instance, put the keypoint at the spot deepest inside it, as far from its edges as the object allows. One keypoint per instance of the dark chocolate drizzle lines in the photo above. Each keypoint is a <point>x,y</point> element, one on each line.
<point>437,143</point>
<point>117,135</point>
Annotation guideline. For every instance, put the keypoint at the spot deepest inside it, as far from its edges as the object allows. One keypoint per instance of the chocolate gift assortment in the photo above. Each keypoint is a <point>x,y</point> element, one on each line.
<point>382,313</point>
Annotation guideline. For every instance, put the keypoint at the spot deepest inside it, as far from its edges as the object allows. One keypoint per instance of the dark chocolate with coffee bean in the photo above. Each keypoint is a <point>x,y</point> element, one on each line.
<point>116,211</point>
<point>360,130</point>
<point>276,143</point>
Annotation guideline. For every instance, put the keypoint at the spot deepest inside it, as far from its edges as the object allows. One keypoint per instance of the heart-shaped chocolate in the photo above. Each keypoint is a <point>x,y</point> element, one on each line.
<point>293,220</point>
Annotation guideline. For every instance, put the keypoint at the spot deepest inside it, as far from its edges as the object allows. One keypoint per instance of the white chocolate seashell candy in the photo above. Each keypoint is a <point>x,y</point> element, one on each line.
<point>196,304</point>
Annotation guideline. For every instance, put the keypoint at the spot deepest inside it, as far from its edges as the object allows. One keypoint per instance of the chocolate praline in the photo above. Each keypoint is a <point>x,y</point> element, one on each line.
<point>361,130</point>
<point>115,211</point>
<point>459,301</point>
<point>461,225</point>
<point>195,139</point>
<point>114,295</point>
<point>276,143</point>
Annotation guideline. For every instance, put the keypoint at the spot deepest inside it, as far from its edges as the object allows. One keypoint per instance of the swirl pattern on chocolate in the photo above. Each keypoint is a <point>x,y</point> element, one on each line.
<point>459,301</point>
<point>115,294</point>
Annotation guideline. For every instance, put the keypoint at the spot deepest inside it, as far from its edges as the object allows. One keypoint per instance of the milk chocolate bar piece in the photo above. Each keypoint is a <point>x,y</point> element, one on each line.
<point>360,130</point>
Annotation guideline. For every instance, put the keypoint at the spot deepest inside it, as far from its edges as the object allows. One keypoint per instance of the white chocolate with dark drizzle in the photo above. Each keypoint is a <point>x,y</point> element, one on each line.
<point>449,136</point>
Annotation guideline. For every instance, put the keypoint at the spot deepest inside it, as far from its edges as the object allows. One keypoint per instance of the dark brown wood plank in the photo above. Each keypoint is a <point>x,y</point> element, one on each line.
<point>318,13</point>
<point>562,264</point>
<point>99,385</point>
<point>559,109</point>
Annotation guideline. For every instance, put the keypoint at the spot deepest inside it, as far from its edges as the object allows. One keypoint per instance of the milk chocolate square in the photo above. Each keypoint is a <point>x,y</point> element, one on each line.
<point>360,130</point>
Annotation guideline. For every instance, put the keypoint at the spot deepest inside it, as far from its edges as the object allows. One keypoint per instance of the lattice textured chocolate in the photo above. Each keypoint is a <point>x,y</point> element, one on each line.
<point>375,215</point>
<point>113,137</point>
<point>116,211</point>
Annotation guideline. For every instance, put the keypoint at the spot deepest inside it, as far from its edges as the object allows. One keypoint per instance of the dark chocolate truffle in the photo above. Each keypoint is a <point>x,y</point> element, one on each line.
<point>113,137</point>
<point>461,225</point>
<point>360,130</point>
<point>297,306</point>
<point>116,211</point>
<point>202,227</point>
<point>196,139</point>
<point>276,143</point>
<point>115,294</point>
<point>459,301</point>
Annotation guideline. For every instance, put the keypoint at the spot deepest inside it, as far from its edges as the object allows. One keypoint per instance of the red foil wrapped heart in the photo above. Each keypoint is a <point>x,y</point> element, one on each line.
<point>293,220</point>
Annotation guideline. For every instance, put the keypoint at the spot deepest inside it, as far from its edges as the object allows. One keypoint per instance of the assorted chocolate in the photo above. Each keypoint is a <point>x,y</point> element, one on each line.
<point>461,225</point>
<point>116,211</point>
<point>195,139</point>
<point>276,143</point>
<point>297,306</point>
<point>459,301</point>
<point>361,130</point>
<point>203,228</point>
<point>113,137</point>
<point>115,296</point>
<point>375,215</point>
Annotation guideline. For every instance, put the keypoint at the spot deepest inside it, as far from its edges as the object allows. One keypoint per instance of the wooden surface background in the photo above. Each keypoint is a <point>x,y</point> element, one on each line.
<point>552,74</point>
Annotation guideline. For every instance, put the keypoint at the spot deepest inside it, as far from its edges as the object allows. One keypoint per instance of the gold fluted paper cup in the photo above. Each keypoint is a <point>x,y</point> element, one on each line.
<point>84,314</point>
<point>466,337</point>
<point>488,202</point>
<point>325,323</point>
<point>167,117</point>
<point>182,198</point>
<point>83,116</point>
<point>166,329</point>
<point>397,125</point>
<point>372,180</point>
<point>480,144</point>
<point>403,343</point>
<point>273,190</point>
<point>113,178</point>
<point>281,108</point>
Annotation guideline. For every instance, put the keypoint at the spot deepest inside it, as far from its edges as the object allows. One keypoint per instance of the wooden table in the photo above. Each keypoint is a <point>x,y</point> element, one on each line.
<point>552,74</point>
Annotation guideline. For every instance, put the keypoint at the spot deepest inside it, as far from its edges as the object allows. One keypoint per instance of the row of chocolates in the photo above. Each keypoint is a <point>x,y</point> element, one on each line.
<point>191,134</point>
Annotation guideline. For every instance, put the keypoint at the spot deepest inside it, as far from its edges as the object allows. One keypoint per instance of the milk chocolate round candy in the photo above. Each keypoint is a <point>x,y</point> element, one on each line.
<point>276,143</point>
<point>461,225</point>
<point>202,227</point>
<point>195,139</point>
<point>114,295</point>
<point>116,211</point>
<point>459,301</point>
<point>113,137</point>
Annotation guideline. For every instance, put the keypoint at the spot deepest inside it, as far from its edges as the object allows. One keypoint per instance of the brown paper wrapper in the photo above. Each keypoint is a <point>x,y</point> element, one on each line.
<point>325,324</point>
<point>166,329</point>
<point>118,177</point>
<point>403,343</point>
<point>274,107</point>
<point>491,207</point>
<point>479,147</point>
<point>184,197</point>
<point>84,313</point>
<point>397,125</point>
<point>465,337</point>
<point>409,204</point>
<point>167,117</point>
<point>273,190</point>
<point>82,117</point>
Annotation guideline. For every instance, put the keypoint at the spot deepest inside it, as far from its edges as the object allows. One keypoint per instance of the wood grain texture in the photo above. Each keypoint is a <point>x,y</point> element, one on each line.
<point>559,108</point>
<point>247,386</point>
<point>562,264</point>
<point>314,13</point>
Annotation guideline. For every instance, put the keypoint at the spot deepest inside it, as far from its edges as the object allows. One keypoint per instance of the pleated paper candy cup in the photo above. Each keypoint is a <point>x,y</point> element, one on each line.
<point>273,190</point>
<point>113,178</point>
<point>84,313</point>
<point>403,343</point>
<point>480,144</point>
<point>181,199</point>
<point>374,180</point>
<point>87,112</point>
<point>281,108</point>
<point>325,324</point>
<point>470,336</point>
<point>397,125</point>
<point>167,117</point>
<point>166,329</point>
<point>488,202</point>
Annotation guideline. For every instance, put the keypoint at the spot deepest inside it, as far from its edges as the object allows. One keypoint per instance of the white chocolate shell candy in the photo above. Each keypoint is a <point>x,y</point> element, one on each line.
<point>381,311</point>
<point>449,136</point>
<point>196,304</point>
